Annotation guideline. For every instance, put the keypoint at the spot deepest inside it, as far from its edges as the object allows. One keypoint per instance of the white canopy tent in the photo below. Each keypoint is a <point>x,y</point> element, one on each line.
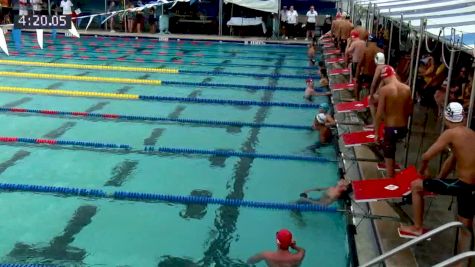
<point>271,6</point>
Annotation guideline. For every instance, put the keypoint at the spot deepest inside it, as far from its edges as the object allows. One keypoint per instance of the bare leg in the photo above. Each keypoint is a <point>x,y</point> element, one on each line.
<point>418,208</point>
<point>465,241</point>
<point>389,167</point>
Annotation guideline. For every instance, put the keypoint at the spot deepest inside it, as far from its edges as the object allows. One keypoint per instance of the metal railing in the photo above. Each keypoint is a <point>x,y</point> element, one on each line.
<point>413,242</point>
<point>457,258</point>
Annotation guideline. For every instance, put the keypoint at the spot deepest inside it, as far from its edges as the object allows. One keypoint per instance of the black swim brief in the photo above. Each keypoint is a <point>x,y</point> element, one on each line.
<point>365,79</point>
<point>464,192</point>
<point>343,45</point>
<point>392,135</point>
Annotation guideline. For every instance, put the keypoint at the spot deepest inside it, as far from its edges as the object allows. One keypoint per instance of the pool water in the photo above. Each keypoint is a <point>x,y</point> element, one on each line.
<point>81,231</point>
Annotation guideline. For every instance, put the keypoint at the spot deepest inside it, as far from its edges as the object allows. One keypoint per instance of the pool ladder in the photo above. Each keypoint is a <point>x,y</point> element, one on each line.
<point>421,238</point>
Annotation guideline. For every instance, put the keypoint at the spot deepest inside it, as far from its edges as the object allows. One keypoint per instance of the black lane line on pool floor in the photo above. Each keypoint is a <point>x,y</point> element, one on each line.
<point>55,85</point>
<point>18,102</point>
<point>56,133</point>
<point>18,156</point>
<point>227,216</point>
<point>58,250</point>
<point>121,172</point>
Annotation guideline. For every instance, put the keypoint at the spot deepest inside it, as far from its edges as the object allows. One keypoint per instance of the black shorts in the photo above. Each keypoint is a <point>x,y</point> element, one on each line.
<point>343,43</point>
<point>310,26</point>
<point>464,192</point>
<point>354,65</point>
<point>392,135</point>
<point>365,79</point>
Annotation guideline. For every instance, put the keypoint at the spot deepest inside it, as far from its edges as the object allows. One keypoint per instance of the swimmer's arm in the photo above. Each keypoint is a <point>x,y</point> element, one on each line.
<point>379,112</point>
<point>330,121</point>
<point>447,167</point>
<point>300,251</point>
<point>375,81</point>
<point>315,189</point>
<point>256,258</point>
<point>442,142</point>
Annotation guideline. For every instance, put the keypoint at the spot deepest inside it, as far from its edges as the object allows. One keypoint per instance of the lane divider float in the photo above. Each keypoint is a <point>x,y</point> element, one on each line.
<point>148,118</point>
<point>147,197</point>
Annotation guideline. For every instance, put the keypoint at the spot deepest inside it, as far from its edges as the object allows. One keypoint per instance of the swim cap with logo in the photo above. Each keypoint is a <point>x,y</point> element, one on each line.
<point>454,112</point>
<point>284,238</point>
<point>387,72</point>
<point>379,58</point>
<point>321,117</point>
<point>355,34</point>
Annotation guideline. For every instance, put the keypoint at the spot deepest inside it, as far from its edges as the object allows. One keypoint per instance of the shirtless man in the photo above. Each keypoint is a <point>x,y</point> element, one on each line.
<point>367,66</point>
<point>331,194</point>
<point>345,28</point>
<point>335,30</point>
<point>395,105</point>
<point>356,50</point>
<point>323,123</point>
<point>282,257</point>
<point>375,84</point>
<point>461,141</point>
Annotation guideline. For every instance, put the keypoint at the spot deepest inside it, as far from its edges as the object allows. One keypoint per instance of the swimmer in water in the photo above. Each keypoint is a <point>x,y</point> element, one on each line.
<point>331,194</point>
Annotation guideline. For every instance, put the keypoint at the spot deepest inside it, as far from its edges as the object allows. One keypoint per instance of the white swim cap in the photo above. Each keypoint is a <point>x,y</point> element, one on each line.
<point>379,58</point>
<point>454,112</point>
<point>321,117</point>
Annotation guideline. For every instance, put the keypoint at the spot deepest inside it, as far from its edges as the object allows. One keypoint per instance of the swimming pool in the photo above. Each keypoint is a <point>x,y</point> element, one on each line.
<point>87,231</point>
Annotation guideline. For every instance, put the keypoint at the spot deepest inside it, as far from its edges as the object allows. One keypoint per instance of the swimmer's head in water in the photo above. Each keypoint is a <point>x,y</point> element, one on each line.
<point>284,239</point>
<point>320,117</point>
<point>388,72</point>
<point>309,80</point>
<point>454,112</point>
<point>324,107</point>
<point>379,58</point>
<point>355,34</point>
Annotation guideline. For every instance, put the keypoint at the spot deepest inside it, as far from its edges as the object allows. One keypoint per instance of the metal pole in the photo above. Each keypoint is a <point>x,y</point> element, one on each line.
<point>220,17</point>
<point>353,10</point>
<point>472,100</point>
<point>390,40</point>
<point>49,7</point>
<point>413,84</point>
<point>367,16</point>
<point>449,80</point>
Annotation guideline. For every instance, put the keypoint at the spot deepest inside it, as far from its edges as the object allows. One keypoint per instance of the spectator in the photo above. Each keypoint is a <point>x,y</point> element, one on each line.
<point>37,6</point>
<point>283,21</point>
<point>66,5</point>
<point>292,16</point>
<point>130,18</point>
<point>23,7</point>
<point>281,257</point>
<point>327,25</point>
<point>152,20</point>
<point>311,20</point>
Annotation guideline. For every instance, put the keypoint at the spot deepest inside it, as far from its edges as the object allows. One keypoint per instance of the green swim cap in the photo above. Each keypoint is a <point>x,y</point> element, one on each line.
<point>324,106</point>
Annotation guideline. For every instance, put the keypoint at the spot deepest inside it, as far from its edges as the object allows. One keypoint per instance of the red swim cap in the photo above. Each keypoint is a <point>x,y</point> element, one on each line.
<point>355,34</point>
<point>309,80</point>
<point>284,238</point>
<point>387,71</point>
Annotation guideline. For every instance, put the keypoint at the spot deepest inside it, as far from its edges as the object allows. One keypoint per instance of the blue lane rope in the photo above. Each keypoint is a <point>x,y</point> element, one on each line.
<point>236,154</point>
<point>262,75</point>
<point>132,60</point>
<point>161,119</point>
<point>25,265</point>
<point>242,86</point>
<point>230,102</point>
<point>137,196</point>
<point>153,150</point>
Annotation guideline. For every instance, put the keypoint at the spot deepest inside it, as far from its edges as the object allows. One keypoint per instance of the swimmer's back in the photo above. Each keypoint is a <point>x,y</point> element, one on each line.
<point>398,104</point>
<point>275,259</point>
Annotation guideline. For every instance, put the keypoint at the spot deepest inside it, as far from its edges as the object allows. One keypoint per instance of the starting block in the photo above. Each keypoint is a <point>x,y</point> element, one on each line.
<point>385,188</point>
<point>332,52</point>
<point>339,72</point>
<point>328,45</point>
<point>352,106</point>
<point>335,60</point>
<point>341,86</point>
<point>362,137</point>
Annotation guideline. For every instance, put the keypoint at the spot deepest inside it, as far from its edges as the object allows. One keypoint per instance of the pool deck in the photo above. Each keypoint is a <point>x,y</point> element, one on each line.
<point>427,253</point>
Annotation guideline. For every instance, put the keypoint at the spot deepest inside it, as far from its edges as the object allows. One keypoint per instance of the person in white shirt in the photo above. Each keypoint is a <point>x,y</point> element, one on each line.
<point>311,20</point>
<point>37,4</point>
<point>292,16</point>
<point>23,7</point>
<point>66,5</point>
<point>283,21</point>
